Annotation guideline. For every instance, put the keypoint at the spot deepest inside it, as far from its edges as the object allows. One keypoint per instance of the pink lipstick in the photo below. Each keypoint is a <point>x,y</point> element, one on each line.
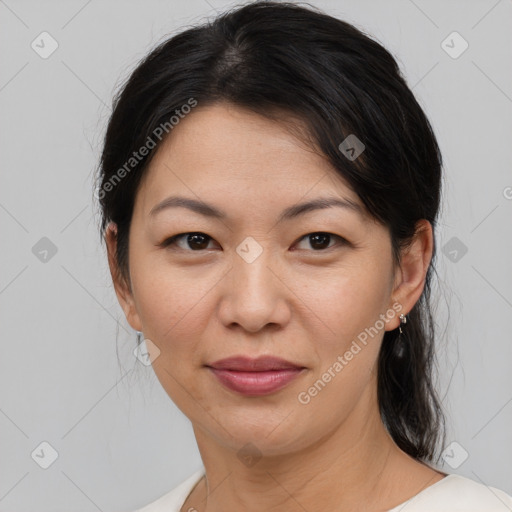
<point>255,377</point>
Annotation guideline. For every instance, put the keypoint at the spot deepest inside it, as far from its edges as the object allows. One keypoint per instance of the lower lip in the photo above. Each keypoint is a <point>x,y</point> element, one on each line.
<point>256,383</point>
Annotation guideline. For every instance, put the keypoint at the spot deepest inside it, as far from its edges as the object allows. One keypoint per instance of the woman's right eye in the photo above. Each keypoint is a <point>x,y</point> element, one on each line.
<point>193,242</point>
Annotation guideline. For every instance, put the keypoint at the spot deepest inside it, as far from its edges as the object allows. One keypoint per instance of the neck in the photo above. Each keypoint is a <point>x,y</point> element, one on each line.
<point>347,469</point>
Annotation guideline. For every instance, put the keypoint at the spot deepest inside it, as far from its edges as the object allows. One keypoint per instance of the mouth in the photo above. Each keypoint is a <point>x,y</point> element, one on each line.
<point>255,377</point>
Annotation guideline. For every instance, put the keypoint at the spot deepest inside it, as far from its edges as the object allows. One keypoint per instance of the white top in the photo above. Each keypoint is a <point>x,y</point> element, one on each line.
<point>454,493</point>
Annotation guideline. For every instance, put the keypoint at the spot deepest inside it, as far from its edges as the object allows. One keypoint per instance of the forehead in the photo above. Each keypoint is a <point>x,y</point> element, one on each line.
<point>239,157</point>
<point>240,139</point>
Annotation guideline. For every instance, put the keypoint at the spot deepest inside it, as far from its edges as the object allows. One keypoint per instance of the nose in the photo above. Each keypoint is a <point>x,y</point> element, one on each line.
<point>254,296</point>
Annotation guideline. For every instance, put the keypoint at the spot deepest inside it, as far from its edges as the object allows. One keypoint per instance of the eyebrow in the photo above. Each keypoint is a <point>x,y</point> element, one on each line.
<point>289,213</point>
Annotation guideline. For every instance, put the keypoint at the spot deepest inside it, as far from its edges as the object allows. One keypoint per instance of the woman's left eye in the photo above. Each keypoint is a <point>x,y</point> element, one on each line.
<point>320,240</point>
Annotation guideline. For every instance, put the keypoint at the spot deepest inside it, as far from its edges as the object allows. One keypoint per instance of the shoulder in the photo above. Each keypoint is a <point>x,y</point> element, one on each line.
<point>456,493</point>
<point>173,500</point>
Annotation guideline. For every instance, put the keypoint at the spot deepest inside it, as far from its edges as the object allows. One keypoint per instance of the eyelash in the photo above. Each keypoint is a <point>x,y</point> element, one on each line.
<point>171,242</point>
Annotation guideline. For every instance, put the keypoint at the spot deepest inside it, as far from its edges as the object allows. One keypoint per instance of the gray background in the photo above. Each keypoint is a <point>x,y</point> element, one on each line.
<point>68,376</point>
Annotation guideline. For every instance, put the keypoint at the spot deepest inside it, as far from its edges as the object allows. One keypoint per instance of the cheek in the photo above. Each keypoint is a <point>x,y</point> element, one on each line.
<point>349,305</point>
<point>172,311</point>
<point>170,302</point>
<point>347,349</point>
<point>345,301</point>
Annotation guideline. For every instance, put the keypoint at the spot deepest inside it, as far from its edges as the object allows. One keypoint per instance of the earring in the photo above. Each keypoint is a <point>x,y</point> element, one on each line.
<point>140,337</point>
<point>403,320</point>
<point>400,343</point>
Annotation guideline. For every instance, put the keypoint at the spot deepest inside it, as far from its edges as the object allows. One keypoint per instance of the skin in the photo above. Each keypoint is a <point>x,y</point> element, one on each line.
<point>293,301</point>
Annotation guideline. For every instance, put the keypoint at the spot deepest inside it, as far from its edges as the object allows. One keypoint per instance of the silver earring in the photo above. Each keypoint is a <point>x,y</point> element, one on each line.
<point>400,343</point>
<point>140,337</point>
<point>403,320</point>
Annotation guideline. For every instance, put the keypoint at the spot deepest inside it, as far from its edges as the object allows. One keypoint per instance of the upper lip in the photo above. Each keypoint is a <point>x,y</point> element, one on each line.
<point>259,364</point>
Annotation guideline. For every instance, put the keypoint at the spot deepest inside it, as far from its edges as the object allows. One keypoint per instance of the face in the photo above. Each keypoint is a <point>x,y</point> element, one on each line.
<point>315,287</point>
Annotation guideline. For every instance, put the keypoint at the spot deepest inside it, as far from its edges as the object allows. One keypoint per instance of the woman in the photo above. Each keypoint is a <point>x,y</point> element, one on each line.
<point>269,190</point>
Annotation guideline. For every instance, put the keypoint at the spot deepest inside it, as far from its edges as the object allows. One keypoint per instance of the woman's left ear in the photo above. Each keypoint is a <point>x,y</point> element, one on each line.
<point>410,276</point>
